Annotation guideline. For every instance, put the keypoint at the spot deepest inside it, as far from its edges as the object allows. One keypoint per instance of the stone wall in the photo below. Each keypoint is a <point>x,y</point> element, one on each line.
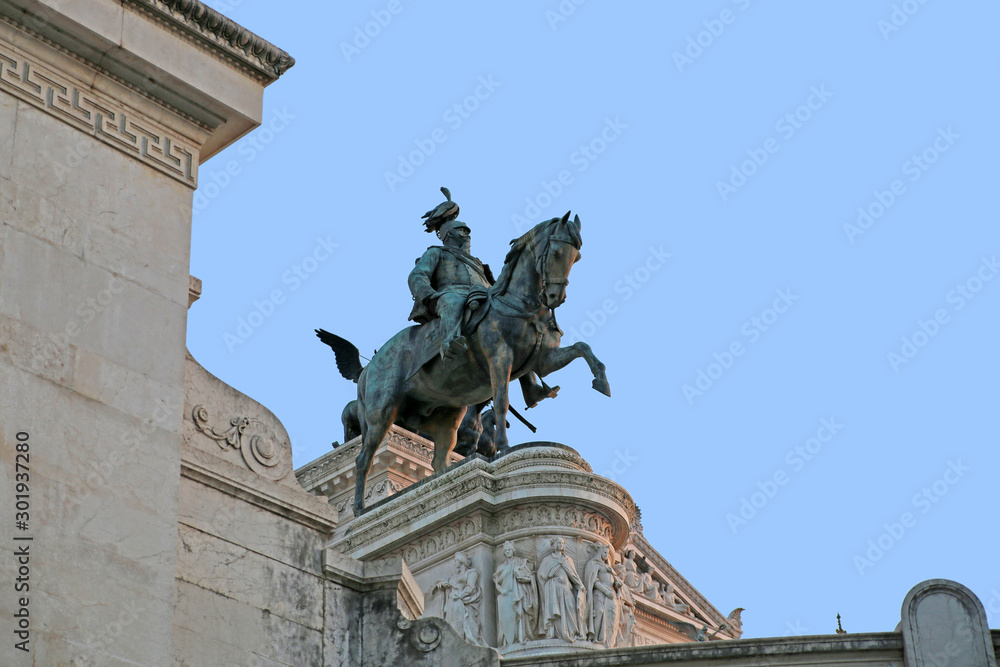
<point>163,522</point>
<point>94,248</point>
<point>106,110</point>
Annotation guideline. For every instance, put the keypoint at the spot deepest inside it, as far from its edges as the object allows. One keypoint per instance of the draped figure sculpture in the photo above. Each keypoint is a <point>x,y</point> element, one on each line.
<point>626,608</point>
<point>560,587</point>
<point>601,590</point>
<point>517,599</point>
<point>462,595</point>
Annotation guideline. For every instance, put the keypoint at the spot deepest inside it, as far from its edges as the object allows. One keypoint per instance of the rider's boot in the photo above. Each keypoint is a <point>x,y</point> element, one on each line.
<point>454,347</point>
<point>533,393</point>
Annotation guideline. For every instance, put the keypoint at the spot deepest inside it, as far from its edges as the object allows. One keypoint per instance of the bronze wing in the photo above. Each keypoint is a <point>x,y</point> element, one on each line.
<point>348,357</point>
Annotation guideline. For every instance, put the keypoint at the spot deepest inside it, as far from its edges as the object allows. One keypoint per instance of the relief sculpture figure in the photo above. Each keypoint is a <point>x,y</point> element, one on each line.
<point>626,609</point>
<point>462,595</point>
<point>517,599</point>
<point>601,590</point>
<point>561,587</point>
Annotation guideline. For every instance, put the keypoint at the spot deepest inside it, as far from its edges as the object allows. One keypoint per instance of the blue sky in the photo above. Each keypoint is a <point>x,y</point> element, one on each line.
<point>790,261</point>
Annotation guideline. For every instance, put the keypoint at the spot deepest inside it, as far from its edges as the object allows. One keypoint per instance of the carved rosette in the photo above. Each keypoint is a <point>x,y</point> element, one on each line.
<point>256,442</point>
<point>424,635</point>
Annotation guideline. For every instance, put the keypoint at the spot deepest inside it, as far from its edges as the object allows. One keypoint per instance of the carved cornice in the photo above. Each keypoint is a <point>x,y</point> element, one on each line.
<point>538,518</point>
<point>111,75</point>
<point>217,474</point>
<point>97,114</point>
<point>682,584</point>
<point>208,28</point>
<point>342,458</point>
<point>538,479</point>
<point>656,621</point>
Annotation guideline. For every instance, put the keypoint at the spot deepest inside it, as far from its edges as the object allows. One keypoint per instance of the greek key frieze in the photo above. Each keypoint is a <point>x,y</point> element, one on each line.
<point>99,115</point>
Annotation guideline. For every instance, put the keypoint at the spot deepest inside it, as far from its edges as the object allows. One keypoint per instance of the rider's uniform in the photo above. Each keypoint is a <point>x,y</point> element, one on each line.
<point>440,283</point>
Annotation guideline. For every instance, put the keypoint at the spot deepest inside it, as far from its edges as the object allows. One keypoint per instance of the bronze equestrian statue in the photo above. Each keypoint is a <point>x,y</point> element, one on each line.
<point>424,377</point>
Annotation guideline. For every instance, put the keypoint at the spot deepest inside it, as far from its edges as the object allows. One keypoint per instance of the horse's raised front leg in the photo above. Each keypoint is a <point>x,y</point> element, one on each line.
<point>557,357</point>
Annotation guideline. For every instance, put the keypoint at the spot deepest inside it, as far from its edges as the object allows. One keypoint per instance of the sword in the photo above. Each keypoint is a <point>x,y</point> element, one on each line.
<point>521,419</point>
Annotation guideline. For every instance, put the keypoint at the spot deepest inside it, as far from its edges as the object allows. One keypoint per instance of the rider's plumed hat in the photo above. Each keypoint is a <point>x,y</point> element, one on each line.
<point>444,212</point>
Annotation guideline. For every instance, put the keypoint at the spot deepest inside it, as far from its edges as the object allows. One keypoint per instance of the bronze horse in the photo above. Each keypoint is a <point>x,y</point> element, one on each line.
<point>515,333</point>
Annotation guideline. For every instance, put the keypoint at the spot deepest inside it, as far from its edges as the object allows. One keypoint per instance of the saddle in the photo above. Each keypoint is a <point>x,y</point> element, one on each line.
<point>428,339</point>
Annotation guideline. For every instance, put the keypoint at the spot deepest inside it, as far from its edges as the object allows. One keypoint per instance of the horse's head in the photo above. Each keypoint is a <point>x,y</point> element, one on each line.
<point>555,259</point>
<point>537,266</point>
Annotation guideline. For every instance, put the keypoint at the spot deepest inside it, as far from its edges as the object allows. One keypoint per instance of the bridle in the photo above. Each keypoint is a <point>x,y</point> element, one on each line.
<point>544,264</point>
<point>541,267</point>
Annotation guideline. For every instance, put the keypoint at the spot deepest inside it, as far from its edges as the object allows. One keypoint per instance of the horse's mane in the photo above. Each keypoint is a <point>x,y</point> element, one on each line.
<point>525,241</point>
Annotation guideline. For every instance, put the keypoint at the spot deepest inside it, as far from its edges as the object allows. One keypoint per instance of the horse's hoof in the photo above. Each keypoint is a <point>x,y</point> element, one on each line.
<point>602,386</point>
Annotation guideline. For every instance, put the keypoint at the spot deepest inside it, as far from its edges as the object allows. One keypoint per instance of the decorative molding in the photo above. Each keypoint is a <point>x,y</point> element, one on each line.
<point>424,636</point>
<point>448,538</point>
<point>479,477</point>
<point>99,115</point>
<point>941,619</point>
<point>217,34</point>
<point>209,474</point>
<point>554,454</point>
<point>111,75</point>
<point>670,574</point>
<point>332,463</point>
<point>376,492</point>
<point>422,448</point>
<point>389,574</point>
<point>260,453</point>
<point>194,290</point>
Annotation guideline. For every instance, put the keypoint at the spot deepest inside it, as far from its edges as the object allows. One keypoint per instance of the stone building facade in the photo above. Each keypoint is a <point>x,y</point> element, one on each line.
<point>167,526</point>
